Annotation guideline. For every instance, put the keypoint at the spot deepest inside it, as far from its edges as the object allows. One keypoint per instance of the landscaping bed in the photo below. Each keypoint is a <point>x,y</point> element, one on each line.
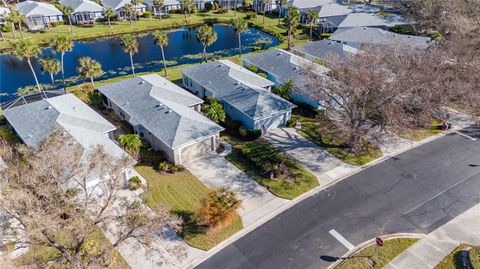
<point>182,193</point>
<point>323,132</point>
<point>391,249</point>
<point>420,134</point>
<point>456,258</point>
<point>270,167</point>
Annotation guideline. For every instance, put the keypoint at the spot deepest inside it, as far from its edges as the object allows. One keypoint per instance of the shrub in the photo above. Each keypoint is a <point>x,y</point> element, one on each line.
<point>263,75</point>
<point>208,6</point>
<point>216,5</point>
<point>231,126</point>
<point>218,209</point>
<point>253,68</point>
<point>325,35</point>
<point>72,192</point>
<point>221,148</point>
<point>132,143</point>
<point>94,98</point>
<point>6,28</point>
<point>249,134</point>
<point>147,14</point>
<point>164,166</point>
<point>291,123</point>
<point>242,131</point>
<point>134,183</point>
<point>222,10</point>
<point>170,167</point>
<point>266,159</point>
<point>251,15</point>
<point>56,23</point>
<point>8,135</point>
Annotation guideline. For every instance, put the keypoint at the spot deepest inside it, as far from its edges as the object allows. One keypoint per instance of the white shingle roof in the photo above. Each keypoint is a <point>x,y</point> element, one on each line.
<point>31,8</point>
<point>81,5</point>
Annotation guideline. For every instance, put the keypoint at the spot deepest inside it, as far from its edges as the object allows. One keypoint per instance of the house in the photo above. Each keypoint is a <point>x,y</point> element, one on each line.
<point>375,37</point>
<point>167,6</point>
<point>35,117</point>
<point>3,14</point>
<point>118,7</point>
<point>39,15</point>
<point>325,51</point>
<point>245,96</point>
<point>267,5</point>
<point>281,66</point>
<point>84,11</point>
<point>373,16</point>
<point>163,114</point>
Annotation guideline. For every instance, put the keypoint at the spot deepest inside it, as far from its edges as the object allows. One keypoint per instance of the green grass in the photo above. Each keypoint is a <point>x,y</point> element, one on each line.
<point>8,135</point>
<point>420,134</point>
<point>326,134</point>
<point>170,21</point>
<point>182,192</point>
<point>303,180</point>
<point>45,254</point>
<point>391,249</point>
<point>455,259</point>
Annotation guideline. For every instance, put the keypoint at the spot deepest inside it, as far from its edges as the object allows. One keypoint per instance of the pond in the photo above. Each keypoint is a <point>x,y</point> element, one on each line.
<point>183,48</point>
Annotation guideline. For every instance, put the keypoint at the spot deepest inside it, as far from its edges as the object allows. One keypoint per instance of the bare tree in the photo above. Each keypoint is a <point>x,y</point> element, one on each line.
<point>46,191</point>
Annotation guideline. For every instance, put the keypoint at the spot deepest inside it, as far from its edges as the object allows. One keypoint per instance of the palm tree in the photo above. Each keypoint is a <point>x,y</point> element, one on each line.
<point>214,110</point>
<point>12,17</point>
<point>207,36</point>
<point>50,65</point>
<point>132,143</point>
<point>62,44</point>
<point>240,26</point>
<point>312,18</point>
<point>187,6</point>
<point>234,8</point>
<point>286,89</point>
<point>129,10</point>
<point>130,45</point>
<point>280,4</point>
<point>292,20</point>
<point>68,13</point>
<point>26,50</point>
<point>158,5</point>
<point>109,14</point>
<point>265,4</point>
<point>89,68</point>
<point>161,39</point>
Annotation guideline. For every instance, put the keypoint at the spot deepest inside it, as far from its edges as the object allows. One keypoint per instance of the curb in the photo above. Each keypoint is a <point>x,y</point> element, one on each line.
<point>197,261</point>
<point>370,242</point>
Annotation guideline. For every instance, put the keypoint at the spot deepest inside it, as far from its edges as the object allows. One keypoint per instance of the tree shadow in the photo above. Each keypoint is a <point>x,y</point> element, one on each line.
<point>190,225</point>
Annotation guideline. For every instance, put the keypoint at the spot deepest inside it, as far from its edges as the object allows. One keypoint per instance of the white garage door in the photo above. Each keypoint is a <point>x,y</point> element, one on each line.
<point>196,150</point>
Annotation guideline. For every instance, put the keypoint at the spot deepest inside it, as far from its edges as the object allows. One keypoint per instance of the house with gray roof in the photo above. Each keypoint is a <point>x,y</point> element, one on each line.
<point>245,96</point>
<point>325,50</point>
<point>118,7</point>
<point>168,5</point>
<point>281,66</point>
<point>39,15</point>
<point>379,19</point>
<point>376,37</point>
<point>84,11</point>
<point>163,114</point>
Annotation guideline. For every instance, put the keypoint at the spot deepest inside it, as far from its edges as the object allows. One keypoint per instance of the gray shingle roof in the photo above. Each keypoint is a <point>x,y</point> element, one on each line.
<point>378,37</point>
<point>361,19</point>
<point>31,8</point>
<point>35,121</point>
<point>326,49</point>
<point>238,87</point>
<point>287,66</point>
<point>161,111</point>
<point>81,5</point>
<point>117,4</point>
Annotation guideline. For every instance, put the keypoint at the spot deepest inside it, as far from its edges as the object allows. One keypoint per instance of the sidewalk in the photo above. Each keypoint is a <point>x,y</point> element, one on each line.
<point>434,247</point>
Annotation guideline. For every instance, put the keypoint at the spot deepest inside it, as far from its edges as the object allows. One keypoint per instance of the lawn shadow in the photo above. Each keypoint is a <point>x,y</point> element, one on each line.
<point>190,225</point>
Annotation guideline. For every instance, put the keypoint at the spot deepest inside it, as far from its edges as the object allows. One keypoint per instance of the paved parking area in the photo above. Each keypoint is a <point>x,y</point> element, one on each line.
<point>216,171</point>
<point>325,166</point>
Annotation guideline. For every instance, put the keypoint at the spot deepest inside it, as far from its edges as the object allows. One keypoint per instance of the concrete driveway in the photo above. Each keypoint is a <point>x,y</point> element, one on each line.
<point>216,171</point>
<point>325,166</point>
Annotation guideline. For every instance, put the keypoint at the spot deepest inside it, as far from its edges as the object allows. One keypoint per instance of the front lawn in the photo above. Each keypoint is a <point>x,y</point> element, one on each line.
<point>456,258</point>
<point>182,192</point>
<point>391,249</point>
<point>326,134</point>
<point>251,156</point>
<point>420,134</point>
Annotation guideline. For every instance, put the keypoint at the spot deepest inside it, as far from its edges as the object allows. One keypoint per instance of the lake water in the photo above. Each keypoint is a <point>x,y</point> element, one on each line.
<point>183,48</point>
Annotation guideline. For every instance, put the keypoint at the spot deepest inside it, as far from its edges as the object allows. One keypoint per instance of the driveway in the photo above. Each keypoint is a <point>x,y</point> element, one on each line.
<point>216,171</point>
<point>325,166</point>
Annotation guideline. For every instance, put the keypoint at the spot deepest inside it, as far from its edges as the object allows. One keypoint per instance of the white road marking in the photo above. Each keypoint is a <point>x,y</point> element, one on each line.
<point>342,239</point>
<point>466,136</point>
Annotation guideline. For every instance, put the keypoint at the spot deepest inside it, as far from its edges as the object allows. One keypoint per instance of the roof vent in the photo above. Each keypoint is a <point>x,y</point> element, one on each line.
<point>168,111</point>
<point>141,82</point>
<point>74,108</point>
<point>48,107</point>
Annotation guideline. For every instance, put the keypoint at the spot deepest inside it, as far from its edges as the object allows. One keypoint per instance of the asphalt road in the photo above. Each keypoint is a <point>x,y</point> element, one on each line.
<point>416,191</point>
